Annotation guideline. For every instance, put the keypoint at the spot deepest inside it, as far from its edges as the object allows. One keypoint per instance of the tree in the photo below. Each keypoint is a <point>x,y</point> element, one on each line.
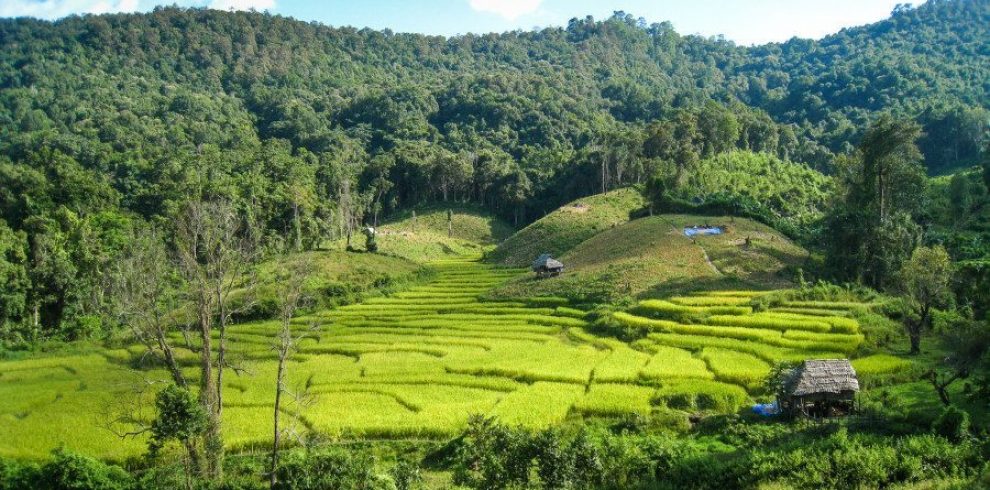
<point>452,171</point>
<point>960,197</point>
<point>146,290</point>
<point>891,167</point>
<point>179,418</point>
<point>967,342</point>
<point>925,285</point>
<point>14,282</point>
<point>145,286</point>
<point>290,297</point>
<point>655,191</point>
<point>873,230</point>
<point>214,252</point>
<point>986,167</point>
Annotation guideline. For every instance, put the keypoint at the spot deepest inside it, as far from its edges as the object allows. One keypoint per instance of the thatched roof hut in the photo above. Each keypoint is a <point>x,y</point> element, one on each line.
<point>546,265</point>
<point>821,388</point>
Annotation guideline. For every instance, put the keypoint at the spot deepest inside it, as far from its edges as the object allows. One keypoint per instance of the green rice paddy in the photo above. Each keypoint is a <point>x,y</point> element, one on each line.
<point>418,363</point>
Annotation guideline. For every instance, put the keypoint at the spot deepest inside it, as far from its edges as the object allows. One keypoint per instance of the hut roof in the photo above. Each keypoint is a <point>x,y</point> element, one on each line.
<point>823,376</point>
<point>545,261</point>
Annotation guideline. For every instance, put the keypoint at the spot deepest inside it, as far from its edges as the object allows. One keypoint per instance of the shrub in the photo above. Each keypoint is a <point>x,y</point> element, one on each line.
<point>555,460</point>
<point>952,423</point>
<point>68,471</point>
<point>405,475</point>
<point>491,455</point>
<point>331,468</point>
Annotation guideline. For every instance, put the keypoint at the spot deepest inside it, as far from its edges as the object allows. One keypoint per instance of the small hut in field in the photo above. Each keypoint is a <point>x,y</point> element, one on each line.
<point>547,266</point>
<point>820,388</point>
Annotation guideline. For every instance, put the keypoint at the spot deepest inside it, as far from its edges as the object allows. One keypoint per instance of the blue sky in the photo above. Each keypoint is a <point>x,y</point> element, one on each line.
<point>743,21</point>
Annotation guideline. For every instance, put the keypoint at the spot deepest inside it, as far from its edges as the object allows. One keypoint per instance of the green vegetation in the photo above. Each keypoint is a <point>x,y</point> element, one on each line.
<point>792,191</point>
<point>423,234</point>
<point>651,257</point>
<point>236,263</point>
<point>568,226</point>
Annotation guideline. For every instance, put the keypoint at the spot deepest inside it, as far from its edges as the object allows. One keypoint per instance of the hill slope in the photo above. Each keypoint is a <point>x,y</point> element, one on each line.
<point>422,234</point>
<point>566,227</point>
<point>652,257</point>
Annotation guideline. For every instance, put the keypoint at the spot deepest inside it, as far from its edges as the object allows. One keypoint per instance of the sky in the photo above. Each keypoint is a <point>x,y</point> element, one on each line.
<point>746,22</point>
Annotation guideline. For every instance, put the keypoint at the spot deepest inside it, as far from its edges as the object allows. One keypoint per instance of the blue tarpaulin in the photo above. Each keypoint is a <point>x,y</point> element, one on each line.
<point>766,409</point>
<point>702,230</point>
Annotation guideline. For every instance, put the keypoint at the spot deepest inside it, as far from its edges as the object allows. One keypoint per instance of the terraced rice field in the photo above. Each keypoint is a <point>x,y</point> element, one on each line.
<point>419,362</point>
<point>738,346</point>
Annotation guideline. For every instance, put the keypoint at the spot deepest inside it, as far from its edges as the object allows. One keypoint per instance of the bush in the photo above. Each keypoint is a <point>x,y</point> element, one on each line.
<point>952,423</point>
<point>332,468</point>
<point>491,455</point>
<point>68,471</point>
<point>406,476</point>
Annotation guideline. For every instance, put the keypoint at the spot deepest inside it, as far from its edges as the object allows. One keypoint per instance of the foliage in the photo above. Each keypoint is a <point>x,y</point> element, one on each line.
<point>333,468</point>
<point>925,282</point>
<point>952,423</point>
<point>179,418</point>
<point>872,232</point>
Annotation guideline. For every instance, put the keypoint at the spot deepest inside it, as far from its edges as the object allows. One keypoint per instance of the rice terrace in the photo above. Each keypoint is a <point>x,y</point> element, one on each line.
<point>241,251</point>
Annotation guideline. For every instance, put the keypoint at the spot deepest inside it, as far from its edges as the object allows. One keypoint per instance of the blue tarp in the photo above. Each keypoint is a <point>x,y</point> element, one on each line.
<point>702,230</point>
<point>766,409</point>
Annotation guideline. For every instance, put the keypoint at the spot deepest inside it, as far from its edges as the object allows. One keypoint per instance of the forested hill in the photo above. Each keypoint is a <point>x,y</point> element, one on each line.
<point>140,101</point>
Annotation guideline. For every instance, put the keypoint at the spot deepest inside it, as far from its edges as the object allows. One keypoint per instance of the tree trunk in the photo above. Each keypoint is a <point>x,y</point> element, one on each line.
<point>207,392</point>
<point>915,342</point>
<point>215,432</point>
<point>278,403</point>
<point>297,225</point>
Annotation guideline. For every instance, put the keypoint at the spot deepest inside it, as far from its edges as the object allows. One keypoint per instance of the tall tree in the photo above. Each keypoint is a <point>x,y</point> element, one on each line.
<point>924,281</point>
<point>15,285</point>
<point>872,231</point>
<point>891,167</point>
<point>146,288</point>
<point>214,252</point>
<point>290,297</point>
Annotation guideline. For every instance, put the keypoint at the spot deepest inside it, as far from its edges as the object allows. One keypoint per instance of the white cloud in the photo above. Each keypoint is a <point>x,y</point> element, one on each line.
<point>54,9</point>
<point>259,5</point>
<point>510,9</point>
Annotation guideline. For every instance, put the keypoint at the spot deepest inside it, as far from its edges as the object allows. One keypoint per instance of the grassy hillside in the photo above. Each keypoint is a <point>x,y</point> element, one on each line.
<point>335,277</point>
<point>651,256</point>
<point>421,234</point>
<point>568,226</point>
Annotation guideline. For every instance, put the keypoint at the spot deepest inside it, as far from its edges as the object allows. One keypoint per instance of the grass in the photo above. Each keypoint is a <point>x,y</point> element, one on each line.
<point>650,257</point>
<point>665,309</point>
<point>735,367</point>
<point>568,226</point>
<point>701,394</point>
<point>425,237</point>
<point>771,322</point>
<point>539,405</point>
<point>673,363</point>
<point>615,399</point>
<point>622,365</point>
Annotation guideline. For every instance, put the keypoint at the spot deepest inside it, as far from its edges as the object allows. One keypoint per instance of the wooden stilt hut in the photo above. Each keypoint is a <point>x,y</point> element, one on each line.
<point>547,266</point>
<point>820,388</point>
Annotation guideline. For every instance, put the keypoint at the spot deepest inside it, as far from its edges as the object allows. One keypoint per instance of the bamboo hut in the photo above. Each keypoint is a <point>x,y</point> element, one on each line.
<point>820,388</point>
<point>547,266</point>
